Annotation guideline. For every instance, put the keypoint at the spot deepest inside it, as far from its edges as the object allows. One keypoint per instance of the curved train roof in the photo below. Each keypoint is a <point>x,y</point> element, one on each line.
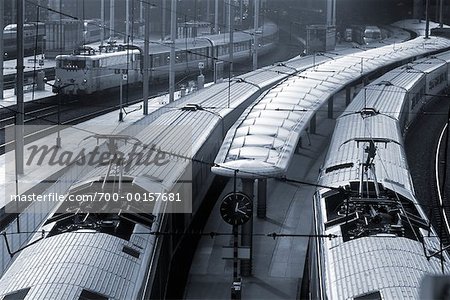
<point>62,266</point>
<point>389,264</point>
<point>258,148</point>
<point>182,132</point>
<point>205,41</point>
<point>214,99</point>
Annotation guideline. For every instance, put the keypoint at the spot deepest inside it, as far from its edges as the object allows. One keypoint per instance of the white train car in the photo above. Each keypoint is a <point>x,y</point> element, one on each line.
<point>87,79</point>
<point>33,36</point>
<point>114,256</point>
<point>382,242</point>
<point>89,71</point>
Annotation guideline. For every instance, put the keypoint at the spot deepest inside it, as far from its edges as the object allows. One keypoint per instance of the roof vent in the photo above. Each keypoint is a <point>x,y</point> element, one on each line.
<point>385,83</point>
<point>130,251</point>
<point>191,107</point>
<point>368,112</point>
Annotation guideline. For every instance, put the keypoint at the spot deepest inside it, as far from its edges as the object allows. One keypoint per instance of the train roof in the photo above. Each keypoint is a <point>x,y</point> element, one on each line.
<point>96,55</point>
<point>268,150</point>
<point>158,47</point>
<point>362,261</point>
<point>108,269</point>
<point>390,267</point>
<point>340,167</point>
<point>102,257</point>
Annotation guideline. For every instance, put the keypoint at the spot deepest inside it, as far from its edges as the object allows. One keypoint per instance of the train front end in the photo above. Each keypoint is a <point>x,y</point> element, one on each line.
<point>73,75</point>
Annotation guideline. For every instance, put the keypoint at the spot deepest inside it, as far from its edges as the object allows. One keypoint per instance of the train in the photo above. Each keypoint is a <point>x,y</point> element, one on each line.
<point>88,70</point>
<point>80,254</point>
<point>380,241</point>
<point>35,34</point>
<point>92,31</point>
<point>120,255</point>
<point>363,35</point>
<point>33,39</point>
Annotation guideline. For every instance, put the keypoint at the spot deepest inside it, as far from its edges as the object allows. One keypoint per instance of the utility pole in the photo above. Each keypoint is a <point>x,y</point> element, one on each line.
<point>255,36</point>
<point>127,21</point>
<point>2,15</point>
<point>241,11</point>
<point>173,31</point>
<point>102,17</point>
<point>231,29</point>
<point>427,22</point>
<point>19,144</point>
<point>208,12</point>
<point>216,17</point>
<point>441,4</point>
<point>163,23</point>
<point>111,18</point>
<point>141,13</point>
<point>145,91</point>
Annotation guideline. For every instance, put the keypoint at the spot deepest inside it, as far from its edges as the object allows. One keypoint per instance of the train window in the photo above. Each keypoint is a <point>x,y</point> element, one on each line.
<point>338,167</point>
<point>130,251</point>
<point>224,49</point>
<point>156,60</point>
<point>181,56</point>
<point>194,55</point>
<point>89,295</point>
<point>95,63</point>
<point>372,296</point>
<point>73,64</point>
<point>17,295</point>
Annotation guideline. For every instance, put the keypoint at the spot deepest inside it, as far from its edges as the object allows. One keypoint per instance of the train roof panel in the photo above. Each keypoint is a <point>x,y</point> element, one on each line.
<point>445,56</point>
<point>392,266</point>
<point>182,132</point>
<point>329,78</point>
<point>427,65</point>
<point>345,149</point>
<point>96,55</point>
<point>108,269</point>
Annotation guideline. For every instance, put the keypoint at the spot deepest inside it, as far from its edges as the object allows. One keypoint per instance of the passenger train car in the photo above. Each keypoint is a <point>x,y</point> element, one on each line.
<point>97,70</point>
<point>92,31</point>
<point>33,38</point>
<point>77,254</point>
<point>381,242</point>
<point>87,255</point>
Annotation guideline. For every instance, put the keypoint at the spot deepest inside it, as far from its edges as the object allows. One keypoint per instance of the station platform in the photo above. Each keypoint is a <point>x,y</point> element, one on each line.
<point>30,64</point>
<point>277,263</point>
<point>30,94</point>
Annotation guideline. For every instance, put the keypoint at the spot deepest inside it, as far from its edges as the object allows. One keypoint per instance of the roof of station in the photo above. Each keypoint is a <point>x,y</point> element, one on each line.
<point>263,140</point>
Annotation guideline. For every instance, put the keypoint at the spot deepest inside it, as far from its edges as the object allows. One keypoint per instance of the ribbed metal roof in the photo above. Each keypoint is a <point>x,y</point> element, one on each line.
<point>390,264</point>
<point>52,268</point>
<point>393,266</point>
<point>62,266</point>
<point>301,94</point>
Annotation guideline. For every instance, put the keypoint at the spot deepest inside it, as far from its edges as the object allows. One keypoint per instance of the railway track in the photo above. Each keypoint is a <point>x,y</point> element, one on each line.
<point>9,80</point>
<point>442,209</point>
<point>48,116</point>
<point>422,160</point>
